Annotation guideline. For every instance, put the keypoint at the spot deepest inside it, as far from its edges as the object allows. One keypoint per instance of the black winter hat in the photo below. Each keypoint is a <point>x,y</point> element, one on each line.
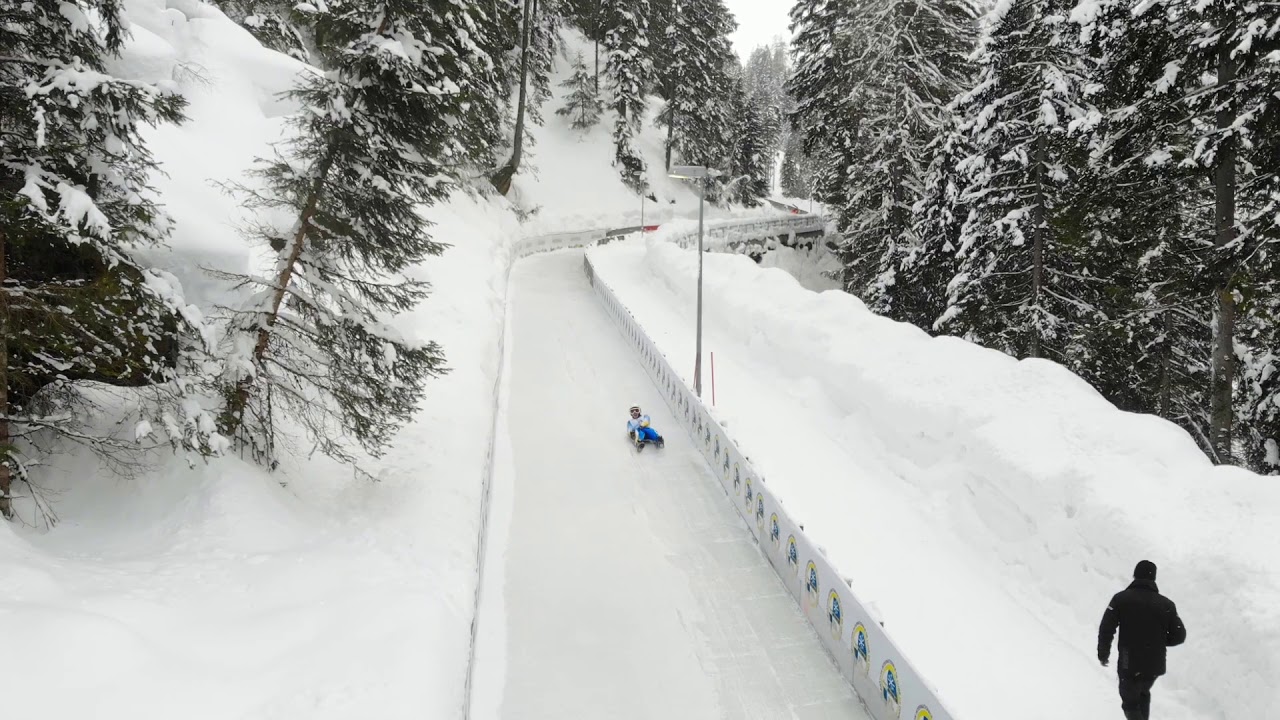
<point>1146,570</point>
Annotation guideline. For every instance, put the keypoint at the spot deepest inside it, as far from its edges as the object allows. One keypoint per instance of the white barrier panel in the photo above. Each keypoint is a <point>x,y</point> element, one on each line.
<point>869,660</point>
<point>560,241</point>
<point>718,236</point>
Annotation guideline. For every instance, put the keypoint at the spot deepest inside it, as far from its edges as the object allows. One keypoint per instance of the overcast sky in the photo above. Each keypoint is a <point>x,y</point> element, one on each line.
<point>759,22</point>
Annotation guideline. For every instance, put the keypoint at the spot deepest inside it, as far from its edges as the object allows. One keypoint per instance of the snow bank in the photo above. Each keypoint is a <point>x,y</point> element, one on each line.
<point>989,507</point>
<point>224,591</point>
<point>814,268</point>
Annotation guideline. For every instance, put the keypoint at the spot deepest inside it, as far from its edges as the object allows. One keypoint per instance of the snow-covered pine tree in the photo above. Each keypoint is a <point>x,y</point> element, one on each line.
<point>693,79</point>
<point>1148,210</point>
<point>1234,118</point>
<point>493,28</point>
<point>795,176</point>
<point>630,71</point>
<point>1259,397</point>
<point>527,101</point>
<point>929,263</point>
<point>766,76</point>
<point>547,44</point>
<point>582,106</point>
<point>75,302</point>
<point>340,205</point>
<point>914,62</point>
<point>1021,286</point>
<point>826,113</point>
<point>281,25</point>
<point>749,167</point>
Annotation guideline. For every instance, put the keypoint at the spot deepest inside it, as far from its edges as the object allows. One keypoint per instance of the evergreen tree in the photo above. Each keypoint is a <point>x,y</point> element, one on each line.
<point>368,151</point>
<point>1152,354</point>
<point>582,104</point>
<point>766,76</point>
<point>796,177</point>
<point>827,115</point>
<point>1021,285</point>
<point>913,64</point>
<point>532,63</point>
<point>928,264</point>
<point>748,171</point>
<point>278,24</point>
<point>630,72</point>
<point>546,45</point>
<point>695,82</point>
<point>1234,118</point>
<point>76,303</point>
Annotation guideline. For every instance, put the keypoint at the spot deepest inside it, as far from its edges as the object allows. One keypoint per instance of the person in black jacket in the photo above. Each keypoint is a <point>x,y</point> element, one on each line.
<point>1148,623</point>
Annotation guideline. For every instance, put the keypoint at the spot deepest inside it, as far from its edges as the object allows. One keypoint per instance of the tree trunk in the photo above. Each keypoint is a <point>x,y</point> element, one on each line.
<point>1223,361</point>
<point>1039,230</point>
<point>671,132</point>
<point>6,475</point>
<point>597,44</point>
<point>897,219</point>
<point>1164,407</point>
<point>502,179</point>
<point>234,415</point>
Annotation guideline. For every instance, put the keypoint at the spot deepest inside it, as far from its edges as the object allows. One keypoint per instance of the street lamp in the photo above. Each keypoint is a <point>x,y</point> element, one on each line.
<point>699,173</point>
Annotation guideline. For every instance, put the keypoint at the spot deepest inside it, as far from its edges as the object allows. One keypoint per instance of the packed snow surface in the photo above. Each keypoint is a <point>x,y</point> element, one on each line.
<point>988,507</point>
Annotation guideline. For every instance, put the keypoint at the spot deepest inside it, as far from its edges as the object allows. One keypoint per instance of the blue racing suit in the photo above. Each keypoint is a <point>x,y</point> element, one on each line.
<point>640,425</point>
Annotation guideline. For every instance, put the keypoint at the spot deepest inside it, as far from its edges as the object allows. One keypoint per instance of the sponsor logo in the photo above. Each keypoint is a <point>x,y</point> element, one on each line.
<point>775,532</point>
<point>811,583</point>
<point>793,555</point>
<point>726,466</point>
<point>737,477</point>
<point>760,511</point>
<point>861,652</point>
<point>835,614</point>
<point>717,447</point>
<point>922,713</point>
<point>889,690</point>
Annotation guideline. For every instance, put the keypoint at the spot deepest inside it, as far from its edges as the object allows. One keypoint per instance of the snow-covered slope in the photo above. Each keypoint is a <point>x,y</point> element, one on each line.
<point>223,591</point>
<point>988,507</point>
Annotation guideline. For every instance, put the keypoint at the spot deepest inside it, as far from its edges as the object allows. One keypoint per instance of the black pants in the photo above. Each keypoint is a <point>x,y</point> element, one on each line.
<point>1135,696</point>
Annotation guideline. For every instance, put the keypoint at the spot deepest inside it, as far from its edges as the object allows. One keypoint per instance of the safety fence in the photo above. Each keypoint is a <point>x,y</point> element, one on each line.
<point>719,236</point>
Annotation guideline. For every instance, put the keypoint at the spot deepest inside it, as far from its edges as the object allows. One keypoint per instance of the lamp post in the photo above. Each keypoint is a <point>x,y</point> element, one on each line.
<point>699,173</point>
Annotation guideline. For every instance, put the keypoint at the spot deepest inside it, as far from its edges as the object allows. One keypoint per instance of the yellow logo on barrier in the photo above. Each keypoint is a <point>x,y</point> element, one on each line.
<point>811,583</point>
<point>835,614</point>
<point>922,713</point>
<point>760,512</point>
<point>889,690</point>
<point>775,532</point>
<point>861,651</point>
<point>749,495</point>
<point>737,477</point>
<point>793,555</point>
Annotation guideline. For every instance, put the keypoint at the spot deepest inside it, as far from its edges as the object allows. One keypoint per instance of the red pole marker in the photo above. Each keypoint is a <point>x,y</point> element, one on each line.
<point>713,379</point>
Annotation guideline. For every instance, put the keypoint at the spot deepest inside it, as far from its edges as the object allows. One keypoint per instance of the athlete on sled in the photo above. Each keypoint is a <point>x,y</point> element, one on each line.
<point>639,431</point>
